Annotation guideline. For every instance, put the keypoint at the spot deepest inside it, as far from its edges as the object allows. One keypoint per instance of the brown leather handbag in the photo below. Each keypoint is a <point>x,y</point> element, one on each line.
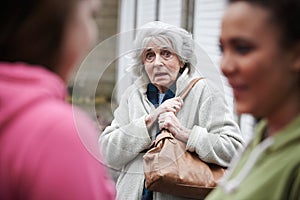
<point>170,168</point>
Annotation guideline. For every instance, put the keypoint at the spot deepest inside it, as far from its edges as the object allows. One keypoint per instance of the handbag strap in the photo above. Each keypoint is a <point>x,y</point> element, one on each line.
<point>187,89</point>
<point>165,133</point>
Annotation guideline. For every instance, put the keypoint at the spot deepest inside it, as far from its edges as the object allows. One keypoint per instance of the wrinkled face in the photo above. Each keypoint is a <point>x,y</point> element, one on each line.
<point>80,34</point>
<point>257,68</point>
<point>162,65</point>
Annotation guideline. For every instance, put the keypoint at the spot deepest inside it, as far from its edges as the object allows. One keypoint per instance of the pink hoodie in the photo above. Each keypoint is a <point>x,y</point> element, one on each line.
<point>42,155</point>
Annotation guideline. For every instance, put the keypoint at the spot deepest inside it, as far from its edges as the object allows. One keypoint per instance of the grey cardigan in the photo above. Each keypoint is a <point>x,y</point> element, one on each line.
<point>215,136</point>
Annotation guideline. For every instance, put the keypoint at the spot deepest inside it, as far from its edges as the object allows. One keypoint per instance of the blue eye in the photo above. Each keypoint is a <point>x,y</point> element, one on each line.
<point>166,54</point>
<point>149,56</point>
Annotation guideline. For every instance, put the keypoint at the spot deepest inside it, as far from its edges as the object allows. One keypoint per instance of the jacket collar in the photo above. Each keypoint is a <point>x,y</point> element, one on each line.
<point>285,137</point>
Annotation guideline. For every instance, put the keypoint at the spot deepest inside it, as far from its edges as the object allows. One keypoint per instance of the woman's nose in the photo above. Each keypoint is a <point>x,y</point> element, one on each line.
<point>227,64</point>
<point>158,61</point>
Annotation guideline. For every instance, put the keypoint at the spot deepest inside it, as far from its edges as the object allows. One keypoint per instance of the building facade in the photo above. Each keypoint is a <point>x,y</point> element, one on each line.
<point>105,71</point>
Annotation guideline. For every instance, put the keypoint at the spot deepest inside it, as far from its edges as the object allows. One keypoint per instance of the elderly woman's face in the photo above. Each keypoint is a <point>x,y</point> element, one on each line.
<point>162,65</point>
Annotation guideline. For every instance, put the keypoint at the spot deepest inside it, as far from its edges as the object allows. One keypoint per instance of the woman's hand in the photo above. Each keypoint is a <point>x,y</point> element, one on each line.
<point>170,105</point>
<point>169,121</point>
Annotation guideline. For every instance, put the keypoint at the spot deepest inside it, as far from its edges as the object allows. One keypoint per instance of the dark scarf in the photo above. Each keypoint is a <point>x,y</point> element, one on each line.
<point>152,95</point>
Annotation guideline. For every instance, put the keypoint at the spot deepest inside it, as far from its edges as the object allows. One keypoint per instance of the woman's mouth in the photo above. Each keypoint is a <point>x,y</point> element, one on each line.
<point>238,89</point>
<point>161,74</point>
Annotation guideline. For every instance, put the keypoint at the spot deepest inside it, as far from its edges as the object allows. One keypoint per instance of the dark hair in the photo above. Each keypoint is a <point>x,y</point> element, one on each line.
<point>32,30</point>
<point>285,14</point>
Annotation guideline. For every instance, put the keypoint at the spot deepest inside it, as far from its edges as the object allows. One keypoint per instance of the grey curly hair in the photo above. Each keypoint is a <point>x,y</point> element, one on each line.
<point>179,40</point>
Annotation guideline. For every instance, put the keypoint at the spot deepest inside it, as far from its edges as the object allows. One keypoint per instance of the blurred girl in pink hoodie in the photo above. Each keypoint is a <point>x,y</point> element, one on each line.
<point>42,156</point>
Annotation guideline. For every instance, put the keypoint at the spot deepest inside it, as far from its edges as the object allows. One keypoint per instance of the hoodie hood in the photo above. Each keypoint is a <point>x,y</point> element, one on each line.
<point>22,85</point>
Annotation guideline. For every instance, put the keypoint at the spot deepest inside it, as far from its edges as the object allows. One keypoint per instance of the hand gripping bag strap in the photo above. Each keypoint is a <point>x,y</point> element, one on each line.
<point>169,168</point>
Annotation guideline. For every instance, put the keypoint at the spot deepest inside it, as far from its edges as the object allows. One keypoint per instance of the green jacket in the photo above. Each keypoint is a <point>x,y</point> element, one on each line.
<point>267,170</point>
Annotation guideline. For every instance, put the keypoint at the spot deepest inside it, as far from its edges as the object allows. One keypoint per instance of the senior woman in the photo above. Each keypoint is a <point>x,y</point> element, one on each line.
<point>163,60</point>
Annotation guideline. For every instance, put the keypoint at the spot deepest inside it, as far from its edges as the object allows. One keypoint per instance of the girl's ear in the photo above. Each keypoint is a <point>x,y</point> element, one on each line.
<point>296,58</point>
